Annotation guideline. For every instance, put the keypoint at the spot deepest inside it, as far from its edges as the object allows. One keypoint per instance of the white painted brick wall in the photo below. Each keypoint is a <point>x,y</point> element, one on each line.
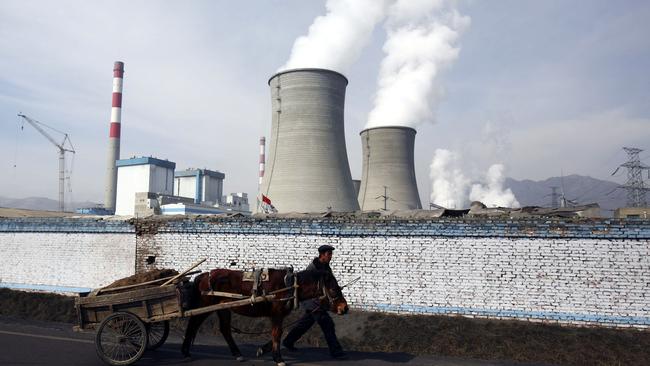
<point>568,280</point>
<point>66,259</point>
<point>590,278</point>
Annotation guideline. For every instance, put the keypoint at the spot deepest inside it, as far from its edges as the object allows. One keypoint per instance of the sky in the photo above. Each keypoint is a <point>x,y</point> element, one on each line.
<point>542,87</point>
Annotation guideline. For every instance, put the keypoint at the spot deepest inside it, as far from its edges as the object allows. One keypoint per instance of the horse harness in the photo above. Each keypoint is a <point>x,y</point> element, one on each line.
<point>258,276</point>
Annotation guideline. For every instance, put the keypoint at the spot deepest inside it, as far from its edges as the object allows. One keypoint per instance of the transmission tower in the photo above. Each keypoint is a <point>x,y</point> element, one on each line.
<point>555,197</point>
<point>634,186</point>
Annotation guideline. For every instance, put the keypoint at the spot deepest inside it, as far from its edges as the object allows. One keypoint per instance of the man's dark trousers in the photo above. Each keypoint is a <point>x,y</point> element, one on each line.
<point>326,324</point>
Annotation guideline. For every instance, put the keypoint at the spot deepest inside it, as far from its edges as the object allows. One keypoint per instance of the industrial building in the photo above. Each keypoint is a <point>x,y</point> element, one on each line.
<point>146,174</point>
<point>632,213</point>
<point>308,169</point>
<point>204,186</point>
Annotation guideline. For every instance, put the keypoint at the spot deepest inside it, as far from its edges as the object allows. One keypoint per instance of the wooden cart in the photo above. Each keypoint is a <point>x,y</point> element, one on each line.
<point>128,323</point>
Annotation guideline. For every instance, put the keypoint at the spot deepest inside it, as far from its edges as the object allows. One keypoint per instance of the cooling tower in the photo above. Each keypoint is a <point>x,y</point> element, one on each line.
<point>307,168</point>
<point>388,169</point>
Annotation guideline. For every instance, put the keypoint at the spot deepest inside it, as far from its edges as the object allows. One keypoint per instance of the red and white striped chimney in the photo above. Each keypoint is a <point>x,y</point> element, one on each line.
<point>114,137</point>
<point>262,158</point>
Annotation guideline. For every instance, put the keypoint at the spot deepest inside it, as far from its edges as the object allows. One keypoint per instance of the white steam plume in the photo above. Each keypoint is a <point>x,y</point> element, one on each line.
<point>421,38</point>
<point>451,188</point>
<point>492,193</point>
<point>335,40</point>
<point>449,184</point>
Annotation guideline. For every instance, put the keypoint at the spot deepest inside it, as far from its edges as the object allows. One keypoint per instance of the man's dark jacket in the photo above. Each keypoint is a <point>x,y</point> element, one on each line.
<point>313,304</point>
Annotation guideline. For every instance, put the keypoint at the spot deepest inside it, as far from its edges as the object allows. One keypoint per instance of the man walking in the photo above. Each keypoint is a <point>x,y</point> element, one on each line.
<point>315,312</point>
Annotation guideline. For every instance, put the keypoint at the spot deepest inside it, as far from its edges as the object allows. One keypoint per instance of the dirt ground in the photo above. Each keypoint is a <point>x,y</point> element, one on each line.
<point>21,212</point>
<point>419,335</point>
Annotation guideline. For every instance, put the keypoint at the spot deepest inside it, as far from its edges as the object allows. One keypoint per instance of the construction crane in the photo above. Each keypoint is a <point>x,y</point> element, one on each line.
<point>62,150</point>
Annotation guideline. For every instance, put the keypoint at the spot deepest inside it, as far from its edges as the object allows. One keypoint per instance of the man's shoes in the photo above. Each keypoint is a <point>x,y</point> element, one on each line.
<point>340,355</point>
<point>289,347</point>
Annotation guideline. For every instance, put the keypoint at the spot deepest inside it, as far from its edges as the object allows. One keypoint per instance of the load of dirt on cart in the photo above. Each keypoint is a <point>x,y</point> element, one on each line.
<point>152,275</point>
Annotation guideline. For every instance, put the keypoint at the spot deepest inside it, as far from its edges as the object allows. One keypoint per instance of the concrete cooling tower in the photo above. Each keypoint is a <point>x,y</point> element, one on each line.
<point>307,168</point>
<point>388,169</point>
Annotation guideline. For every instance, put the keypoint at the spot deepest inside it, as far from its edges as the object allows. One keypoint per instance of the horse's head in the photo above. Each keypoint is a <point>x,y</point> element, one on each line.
<point>333,294</point>
<point>322,285</point>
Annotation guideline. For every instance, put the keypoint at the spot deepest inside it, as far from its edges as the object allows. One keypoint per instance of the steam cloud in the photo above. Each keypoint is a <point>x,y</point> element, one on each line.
<point>335,40</point>
<point>421,37</point>
<point>452,189</point>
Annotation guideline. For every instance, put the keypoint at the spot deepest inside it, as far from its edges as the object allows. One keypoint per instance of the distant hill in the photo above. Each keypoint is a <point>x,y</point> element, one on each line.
<point>578,188</point>
<point>40,203</point>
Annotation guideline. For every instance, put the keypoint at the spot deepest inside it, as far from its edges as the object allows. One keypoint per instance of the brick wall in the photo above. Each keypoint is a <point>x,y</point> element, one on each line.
<point>64,254</point>
<point>578,272</point>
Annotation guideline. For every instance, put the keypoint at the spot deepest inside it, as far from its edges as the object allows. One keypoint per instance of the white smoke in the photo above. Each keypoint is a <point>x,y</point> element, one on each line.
<point>335,40</point>
<point>421,38</point>
<point>452,189</point>
<point>449,183</point>
<point>491,193</point>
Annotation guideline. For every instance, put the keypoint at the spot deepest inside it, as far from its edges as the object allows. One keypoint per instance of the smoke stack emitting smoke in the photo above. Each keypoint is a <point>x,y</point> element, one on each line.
<point>421,41</point>
<point>336,39</point>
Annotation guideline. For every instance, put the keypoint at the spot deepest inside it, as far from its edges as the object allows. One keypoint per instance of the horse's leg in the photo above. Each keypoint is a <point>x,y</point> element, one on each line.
<point>190,333</point>
<point>224,326</point>
<point>265,348</point>
<point>276,336</point>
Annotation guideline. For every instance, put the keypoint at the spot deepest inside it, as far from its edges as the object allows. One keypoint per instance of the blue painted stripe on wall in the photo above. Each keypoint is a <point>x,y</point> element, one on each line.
<point>543,229</point>
<point>47,288</point>
<point>515,314</point>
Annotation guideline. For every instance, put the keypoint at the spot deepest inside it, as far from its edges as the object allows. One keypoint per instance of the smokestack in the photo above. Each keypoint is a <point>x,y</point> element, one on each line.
<point>114,137</point>
<point>308,162</point>
<point>388,169</point>
<point>262,158</point>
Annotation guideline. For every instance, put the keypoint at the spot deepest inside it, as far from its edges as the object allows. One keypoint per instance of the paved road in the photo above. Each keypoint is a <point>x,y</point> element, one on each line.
<point>41,343</point>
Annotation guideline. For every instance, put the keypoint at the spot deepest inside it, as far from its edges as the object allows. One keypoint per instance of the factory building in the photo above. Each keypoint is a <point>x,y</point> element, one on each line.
<point>236,201</point>
<point>204,186</point>
<point>388,169</point>
<point>307,168</point>
<point>142,175</point>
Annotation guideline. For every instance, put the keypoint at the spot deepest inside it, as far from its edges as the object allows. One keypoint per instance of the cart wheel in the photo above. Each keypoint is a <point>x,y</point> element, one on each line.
<point>157,333</point>
<point>121,339</point>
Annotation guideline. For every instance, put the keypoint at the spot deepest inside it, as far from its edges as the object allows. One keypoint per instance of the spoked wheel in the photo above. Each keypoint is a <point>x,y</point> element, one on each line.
<point>157,333</point>
<point>121,339</point>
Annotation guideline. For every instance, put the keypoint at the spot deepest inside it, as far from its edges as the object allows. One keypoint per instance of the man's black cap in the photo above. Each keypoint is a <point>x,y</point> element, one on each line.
<point>325,248</point>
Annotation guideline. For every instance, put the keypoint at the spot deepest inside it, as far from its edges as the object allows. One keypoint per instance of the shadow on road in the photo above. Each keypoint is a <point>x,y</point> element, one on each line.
<point>170,354</point>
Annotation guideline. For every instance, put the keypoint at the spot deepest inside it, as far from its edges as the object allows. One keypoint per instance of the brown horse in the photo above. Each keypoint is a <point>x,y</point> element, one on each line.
<point>311,284</point>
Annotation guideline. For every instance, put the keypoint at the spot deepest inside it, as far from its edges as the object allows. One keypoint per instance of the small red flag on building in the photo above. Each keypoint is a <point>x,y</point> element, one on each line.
<point>267,207</point>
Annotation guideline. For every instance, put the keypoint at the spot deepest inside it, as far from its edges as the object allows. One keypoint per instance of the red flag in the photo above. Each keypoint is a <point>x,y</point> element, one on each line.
<point>266,200</point>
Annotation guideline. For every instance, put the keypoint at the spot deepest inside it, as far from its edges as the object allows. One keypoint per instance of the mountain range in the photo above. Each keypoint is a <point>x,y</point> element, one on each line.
<point>578,189</point>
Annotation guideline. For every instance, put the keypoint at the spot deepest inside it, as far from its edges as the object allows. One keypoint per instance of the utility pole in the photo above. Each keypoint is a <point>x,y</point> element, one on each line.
<point>385,197</point>
<point>634,186</point>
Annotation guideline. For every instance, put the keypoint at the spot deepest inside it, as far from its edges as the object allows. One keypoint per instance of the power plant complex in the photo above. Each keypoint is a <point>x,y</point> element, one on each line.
<point>307,168</point>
